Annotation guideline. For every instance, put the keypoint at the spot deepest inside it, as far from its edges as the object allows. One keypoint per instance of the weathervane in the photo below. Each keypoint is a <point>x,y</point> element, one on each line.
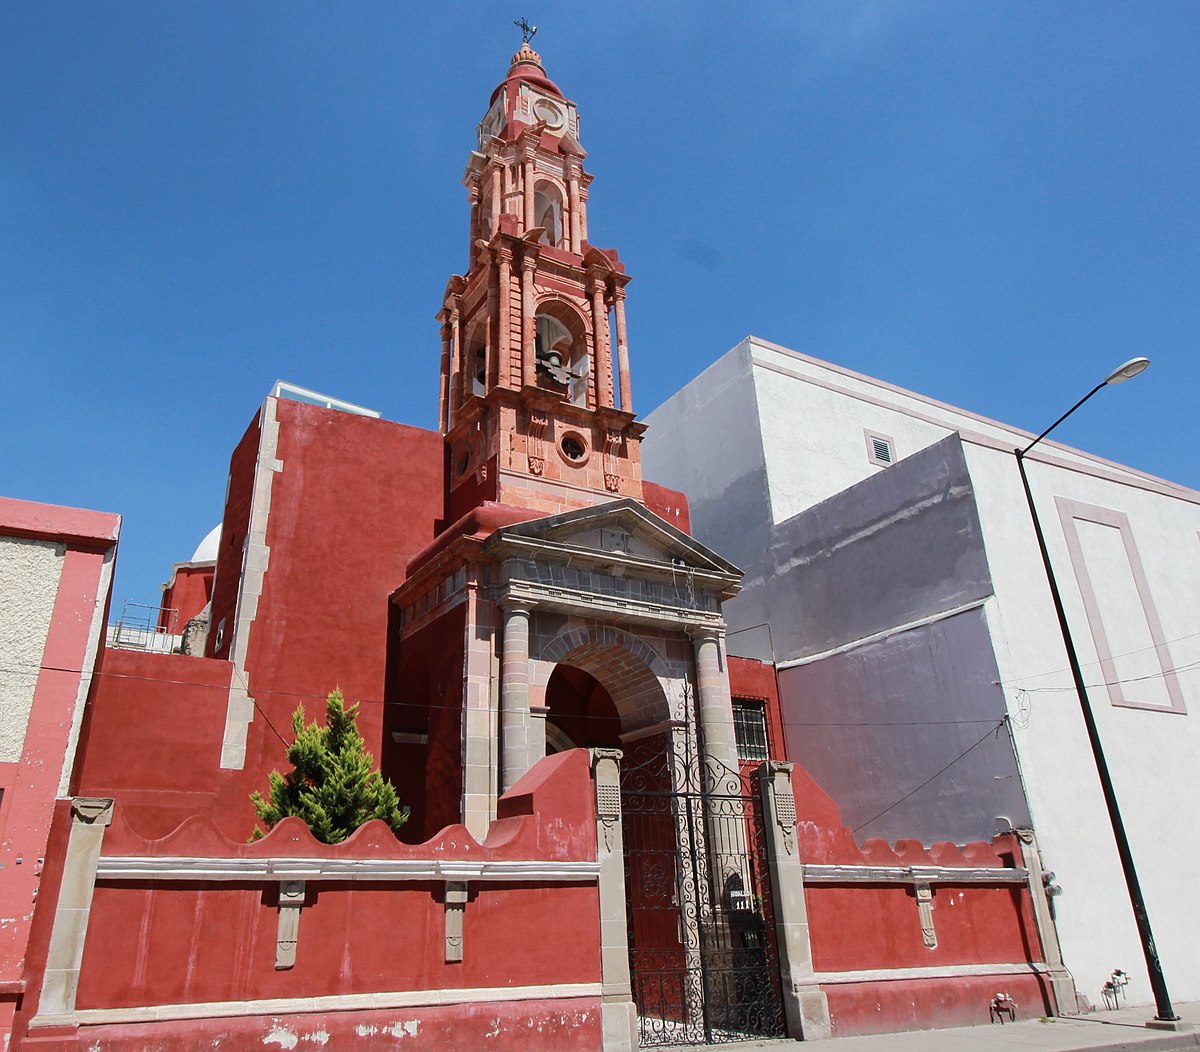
<point>527,31</point>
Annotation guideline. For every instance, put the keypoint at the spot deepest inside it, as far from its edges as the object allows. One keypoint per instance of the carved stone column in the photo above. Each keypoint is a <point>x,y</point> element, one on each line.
<point>528,320</point>
<point>514,695</point>
<point>466,362</point>
<point>618,1015</point>
<point>444,394</point>
<point>618,296</point>
<point>473,196</point>
<point>457,365</point>
<point>805,1004</point>
<point>573,204</point>
<point>496,201</point>
<point>504,310</point>
<point>601,354</point>
<point>90,816</point>
<point>530,221</point>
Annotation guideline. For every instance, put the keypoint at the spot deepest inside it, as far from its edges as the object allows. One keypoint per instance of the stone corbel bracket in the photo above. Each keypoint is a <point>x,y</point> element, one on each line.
<point>925,912</point>
<point>291,899</point>
<point>456,904</point>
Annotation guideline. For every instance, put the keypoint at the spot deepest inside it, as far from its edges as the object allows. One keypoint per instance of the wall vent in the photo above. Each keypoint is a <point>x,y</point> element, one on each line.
<point>881,449</point>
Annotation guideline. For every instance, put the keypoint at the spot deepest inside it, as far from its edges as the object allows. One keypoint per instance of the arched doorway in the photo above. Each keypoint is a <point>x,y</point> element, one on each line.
<point>579,712</point>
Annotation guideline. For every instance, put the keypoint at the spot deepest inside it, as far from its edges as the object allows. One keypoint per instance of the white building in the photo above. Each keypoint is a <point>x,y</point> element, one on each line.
<point>889,548</point>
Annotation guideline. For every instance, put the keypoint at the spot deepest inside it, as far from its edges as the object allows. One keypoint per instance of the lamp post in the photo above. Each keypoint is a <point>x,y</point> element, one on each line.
<point>1162,1000</point>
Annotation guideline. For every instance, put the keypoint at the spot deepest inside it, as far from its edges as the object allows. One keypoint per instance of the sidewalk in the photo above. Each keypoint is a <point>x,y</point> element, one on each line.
<point>1121,1031</point>
<point>1099,1031</point>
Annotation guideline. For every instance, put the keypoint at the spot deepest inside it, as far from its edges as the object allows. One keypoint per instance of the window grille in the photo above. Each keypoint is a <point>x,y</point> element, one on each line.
<point>750,729</point>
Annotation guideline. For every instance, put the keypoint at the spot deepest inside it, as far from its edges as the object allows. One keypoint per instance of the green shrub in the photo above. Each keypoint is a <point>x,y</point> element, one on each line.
<point>331,785</point>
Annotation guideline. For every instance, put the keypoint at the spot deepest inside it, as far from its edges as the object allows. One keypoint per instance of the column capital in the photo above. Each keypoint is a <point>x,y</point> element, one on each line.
<point>768,769</point>
<point>512,605</point>
<point>598,756</point>
<point>705,633</point>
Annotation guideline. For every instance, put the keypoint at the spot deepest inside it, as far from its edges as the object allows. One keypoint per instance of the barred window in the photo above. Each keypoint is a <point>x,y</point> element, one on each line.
<point>750,729</point>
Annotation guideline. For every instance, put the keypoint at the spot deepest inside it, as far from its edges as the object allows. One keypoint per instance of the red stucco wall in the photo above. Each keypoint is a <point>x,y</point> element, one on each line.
<point>235,520</point>
<point>152,741</point>
<point>183,942</point>
<point>187,593</point>
<point>356,499</point>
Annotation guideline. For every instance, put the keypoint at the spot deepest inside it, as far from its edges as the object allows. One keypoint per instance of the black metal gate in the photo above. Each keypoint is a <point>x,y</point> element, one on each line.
<point>702,950</point>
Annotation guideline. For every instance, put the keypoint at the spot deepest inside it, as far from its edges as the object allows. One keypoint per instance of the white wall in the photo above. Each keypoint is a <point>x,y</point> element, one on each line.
<point>29,573</point>
<point>1152,754</point>
<point>812,416</point>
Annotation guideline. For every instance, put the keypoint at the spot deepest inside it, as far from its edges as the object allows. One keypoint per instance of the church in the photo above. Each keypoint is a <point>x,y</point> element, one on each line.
<point>613,843</point>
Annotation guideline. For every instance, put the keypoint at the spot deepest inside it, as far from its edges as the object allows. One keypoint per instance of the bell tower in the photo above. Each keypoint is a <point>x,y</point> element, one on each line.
<point>536,406</point>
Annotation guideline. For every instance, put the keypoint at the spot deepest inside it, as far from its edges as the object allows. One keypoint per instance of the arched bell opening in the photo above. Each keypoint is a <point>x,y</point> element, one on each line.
<point>561,346</point>
<point>475,360</point>
<point>548,213</point>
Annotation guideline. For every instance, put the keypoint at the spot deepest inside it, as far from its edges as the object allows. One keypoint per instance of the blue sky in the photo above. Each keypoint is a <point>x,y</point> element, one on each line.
<point>992,204</point>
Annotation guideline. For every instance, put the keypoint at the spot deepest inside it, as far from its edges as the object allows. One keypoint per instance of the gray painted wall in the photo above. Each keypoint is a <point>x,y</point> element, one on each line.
<point>873,723</point>
<point>898,547</point>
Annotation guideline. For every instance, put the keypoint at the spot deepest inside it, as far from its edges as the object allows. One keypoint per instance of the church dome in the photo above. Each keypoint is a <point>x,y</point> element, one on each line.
<point>527,66</point>
<point>206,550</point>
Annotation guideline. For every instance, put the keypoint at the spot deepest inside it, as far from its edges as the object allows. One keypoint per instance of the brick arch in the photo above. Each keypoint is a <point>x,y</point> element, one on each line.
<point>627,667</point>
<point>565,310</point>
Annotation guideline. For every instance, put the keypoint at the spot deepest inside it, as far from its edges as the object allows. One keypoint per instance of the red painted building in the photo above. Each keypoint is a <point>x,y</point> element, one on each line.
<point>55,573</point>
<point>607,847</point>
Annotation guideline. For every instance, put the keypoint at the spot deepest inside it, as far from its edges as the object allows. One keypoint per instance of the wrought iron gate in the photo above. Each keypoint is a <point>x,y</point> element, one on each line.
<point>702,950</point>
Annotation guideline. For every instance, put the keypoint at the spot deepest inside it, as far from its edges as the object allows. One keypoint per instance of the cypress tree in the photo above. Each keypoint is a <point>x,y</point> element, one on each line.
<point>331,785</point>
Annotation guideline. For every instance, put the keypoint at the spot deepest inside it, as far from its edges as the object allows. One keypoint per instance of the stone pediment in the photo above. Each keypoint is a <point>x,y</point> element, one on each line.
<point>620,538</point>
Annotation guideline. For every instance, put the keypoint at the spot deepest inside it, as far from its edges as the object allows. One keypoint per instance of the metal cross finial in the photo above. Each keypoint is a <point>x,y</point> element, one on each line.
<point>527,31</point>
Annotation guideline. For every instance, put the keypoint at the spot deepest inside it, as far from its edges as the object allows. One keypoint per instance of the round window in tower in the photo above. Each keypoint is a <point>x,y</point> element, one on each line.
<point>573,447</point>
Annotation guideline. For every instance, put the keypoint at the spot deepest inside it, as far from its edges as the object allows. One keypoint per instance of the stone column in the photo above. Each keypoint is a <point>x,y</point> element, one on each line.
<point>528,320</point>
<point>466,363</point>
<point>1061,981</point>
<point>504,340</point>
<point>478,716</point>
<point>715,710</point>
<point>530,221</point>
<point>473,196</point>
<point>457,365</point>
<point>804,1002</point>
<point>496,200</point>
<point>720,772</point>
<point>618,1015</point>
<point>444,394</point>
<point>514,695</point>
<point>622,350</point>
<point>573,204</point>
<point>601,353</point>
<point>90,816</point>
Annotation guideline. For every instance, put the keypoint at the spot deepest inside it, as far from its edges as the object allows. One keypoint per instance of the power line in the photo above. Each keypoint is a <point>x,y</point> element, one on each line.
<point>995,729</point>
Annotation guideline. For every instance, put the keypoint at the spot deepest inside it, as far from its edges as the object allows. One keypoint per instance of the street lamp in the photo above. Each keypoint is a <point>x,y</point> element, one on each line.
<point>1162,1000</point>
